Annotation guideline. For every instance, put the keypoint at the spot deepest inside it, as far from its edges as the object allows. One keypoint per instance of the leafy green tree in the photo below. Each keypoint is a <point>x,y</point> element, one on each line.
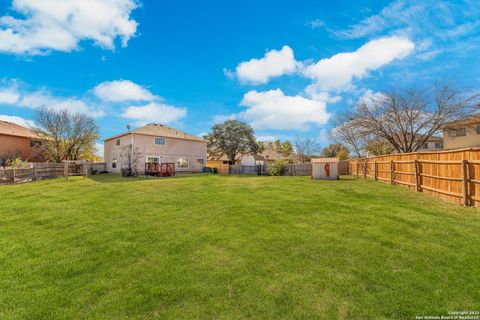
<point>232,139</point>
<point>335,150</point>
<point>285,148</point>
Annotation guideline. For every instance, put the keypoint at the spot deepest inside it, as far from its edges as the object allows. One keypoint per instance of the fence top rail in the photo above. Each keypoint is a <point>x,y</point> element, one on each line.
<point>439,161</point>
<point>439,177</point>
<point>477,149</point>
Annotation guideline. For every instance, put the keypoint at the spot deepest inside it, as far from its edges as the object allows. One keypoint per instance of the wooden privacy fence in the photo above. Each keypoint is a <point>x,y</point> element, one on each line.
<point>292,169</point>
<point>452,175</point>
<point>39,171</point>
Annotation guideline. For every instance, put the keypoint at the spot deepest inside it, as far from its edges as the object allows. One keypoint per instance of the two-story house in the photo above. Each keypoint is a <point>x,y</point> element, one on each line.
<point>17,141</point>
<point>157,143</point>
<point>462,133</point>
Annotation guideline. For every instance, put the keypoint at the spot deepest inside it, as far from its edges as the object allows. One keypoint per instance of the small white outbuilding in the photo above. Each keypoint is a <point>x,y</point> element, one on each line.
<point>325,168</point>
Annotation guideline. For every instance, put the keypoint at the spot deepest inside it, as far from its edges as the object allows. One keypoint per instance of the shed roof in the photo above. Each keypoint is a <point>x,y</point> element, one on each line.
<point>13,129</point>
<point>316,160</point>
<point>160,130</point>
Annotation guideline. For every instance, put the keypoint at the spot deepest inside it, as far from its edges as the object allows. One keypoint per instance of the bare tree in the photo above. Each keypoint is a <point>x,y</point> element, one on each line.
<point>351,135</point>
<point>406,119</point>
<point>65,135</point>
<point>305,148</point>
<point>129,159</point>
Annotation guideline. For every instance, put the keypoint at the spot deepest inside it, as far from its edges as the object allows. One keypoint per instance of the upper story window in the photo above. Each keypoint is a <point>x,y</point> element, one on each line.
<point>459,132</point>
<point>438,145</point>
<point>117,142</point>
<point>478,129</point>
<point>160,141</point>
<point>36,143</point>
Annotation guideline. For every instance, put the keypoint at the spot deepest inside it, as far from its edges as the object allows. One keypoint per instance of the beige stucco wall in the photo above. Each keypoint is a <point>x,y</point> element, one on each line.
<point>170,152</point>
<point>472,139</point>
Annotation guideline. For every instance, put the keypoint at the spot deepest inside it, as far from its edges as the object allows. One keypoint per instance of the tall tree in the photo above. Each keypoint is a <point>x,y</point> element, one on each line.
<point>305,148</point>
<point>408,118</point>
<point>129,160</point>
<point>351,135</point>
<point>65,135</point>
<point>232,139</point>
<point>335,150</point>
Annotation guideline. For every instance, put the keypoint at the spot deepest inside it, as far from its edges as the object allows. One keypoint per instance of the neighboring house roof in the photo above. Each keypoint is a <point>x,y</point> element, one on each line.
<point>257,157</point>
<point>270,154</point>
<point>13,129</point>
<point>462,122</point>
<point>160,130</point>
<point>435,139</point>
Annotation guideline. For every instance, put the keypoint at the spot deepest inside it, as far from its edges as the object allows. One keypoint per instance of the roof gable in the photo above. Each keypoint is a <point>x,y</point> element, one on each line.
<point>464,121</point>
<point>160,130</point>
<point>13,129</point>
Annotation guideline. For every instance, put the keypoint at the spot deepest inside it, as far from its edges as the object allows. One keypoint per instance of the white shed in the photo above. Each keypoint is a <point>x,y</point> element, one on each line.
<point>252,160</point>
<point>325,168</point>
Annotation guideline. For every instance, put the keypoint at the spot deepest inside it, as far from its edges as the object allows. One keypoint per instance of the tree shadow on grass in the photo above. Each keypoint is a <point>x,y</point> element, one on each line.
<point>117,178</point>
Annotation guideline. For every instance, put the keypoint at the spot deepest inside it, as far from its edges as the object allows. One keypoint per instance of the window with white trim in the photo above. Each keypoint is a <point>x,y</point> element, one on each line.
<point>459,132</point>
<point>200,162</point>
<point>182,163</point>
<point>160,141</point>
<point>114,163</point>
<point>152,159</point>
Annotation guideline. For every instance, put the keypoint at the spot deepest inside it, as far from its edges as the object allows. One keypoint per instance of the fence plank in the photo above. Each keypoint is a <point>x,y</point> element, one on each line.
<point>465,182</point>
<point>441,173</point>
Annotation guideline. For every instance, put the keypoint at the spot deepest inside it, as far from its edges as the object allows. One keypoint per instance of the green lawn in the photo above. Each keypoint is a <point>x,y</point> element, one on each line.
<point>229,247</point>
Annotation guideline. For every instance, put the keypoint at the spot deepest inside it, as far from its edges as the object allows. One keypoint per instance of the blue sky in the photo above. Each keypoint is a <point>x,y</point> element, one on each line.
<point>287,68</point>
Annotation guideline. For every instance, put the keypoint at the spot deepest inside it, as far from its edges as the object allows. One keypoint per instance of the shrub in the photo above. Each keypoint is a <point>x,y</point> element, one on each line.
<point>278,168</point>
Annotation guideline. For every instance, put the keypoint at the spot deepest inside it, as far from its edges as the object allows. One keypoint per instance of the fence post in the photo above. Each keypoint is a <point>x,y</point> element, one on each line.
<point>13,174</point>
<point>392,172</point>
<point>375,170</point>
<point>417,175</point>
<point>34,173</point>
<point>365,169</point>
<point>465,182</point>
<point>356,165</point>
<point>65,169</point>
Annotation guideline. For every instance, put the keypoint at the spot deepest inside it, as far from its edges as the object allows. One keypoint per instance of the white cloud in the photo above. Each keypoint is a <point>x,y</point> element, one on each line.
<point>43,98</point>
<point>274,110</point>
<point>154,112</point>
<point>275,63</point>
<point>122,90</point>
<point>315,23</point>
<point>9,96</point>
<point>48,25</point>
<point>266,138</point>
<point>14,93</point>
<point>219,118</point>
<point>338,71</point>
<point>370,98</point>
<point>18,120</point>
<point>438,21</point>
